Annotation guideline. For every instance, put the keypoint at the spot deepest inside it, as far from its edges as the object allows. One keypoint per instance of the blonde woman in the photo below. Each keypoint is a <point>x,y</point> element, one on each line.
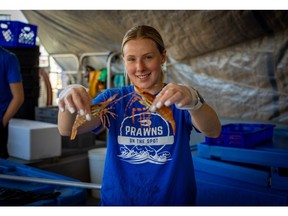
<point>146,163</point>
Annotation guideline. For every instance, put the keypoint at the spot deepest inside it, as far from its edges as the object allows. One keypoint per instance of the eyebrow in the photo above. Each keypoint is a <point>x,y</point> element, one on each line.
<point>149,53</point>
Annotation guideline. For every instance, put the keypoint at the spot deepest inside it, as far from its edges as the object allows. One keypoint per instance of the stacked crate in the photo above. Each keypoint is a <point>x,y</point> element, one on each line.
<point>245,166</point>
<point>20,38</point>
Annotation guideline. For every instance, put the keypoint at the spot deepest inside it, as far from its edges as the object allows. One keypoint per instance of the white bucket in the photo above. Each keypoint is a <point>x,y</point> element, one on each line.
<point>96,164</point>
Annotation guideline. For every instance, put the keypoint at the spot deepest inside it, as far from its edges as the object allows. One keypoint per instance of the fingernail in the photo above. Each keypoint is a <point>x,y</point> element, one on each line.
<point>179,105</point>
<point>71,110</point>
<point>167,103</point>
<point>159,105</point>
<point>88,117</point>
<point>82,112</point>
<point>61,109</point>
<point>152,108</point>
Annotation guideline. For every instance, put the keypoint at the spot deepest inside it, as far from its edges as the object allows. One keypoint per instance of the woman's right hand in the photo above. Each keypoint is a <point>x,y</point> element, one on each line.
<point>75,98</point>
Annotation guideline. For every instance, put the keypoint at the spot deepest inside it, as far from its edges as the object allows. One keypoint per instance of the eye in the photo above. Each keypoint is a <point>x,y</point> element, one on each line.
<point>130,59</point>
<point>148,57</point>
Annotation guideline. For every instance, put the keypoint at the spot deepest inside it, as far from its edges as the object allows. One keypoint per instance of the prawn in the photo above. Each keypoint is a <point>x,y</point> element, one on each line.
<point>166,112</point>
<point>99,110</point>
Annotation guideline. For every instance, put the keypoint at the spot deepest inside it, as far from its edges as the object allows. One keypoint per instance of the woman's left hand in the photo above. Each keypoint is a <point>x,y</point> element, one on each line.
<point>180,95</point>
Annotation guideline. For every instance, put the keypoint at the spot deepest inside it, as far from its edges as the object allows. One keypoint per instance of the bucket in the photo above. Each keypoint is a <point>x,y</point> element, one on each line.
<point>96,165</point>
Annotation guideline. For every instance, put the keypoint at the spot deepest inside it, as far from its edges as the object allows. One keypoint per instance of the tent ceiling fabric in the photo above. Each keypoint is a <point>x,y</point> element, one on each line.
<point>186,33</point>
<point>237,59</point>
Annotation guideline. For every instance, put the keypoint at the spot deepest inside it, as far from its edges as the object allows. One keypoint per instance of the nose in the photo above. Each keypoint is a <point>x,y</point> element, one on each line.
<point>140,66</point>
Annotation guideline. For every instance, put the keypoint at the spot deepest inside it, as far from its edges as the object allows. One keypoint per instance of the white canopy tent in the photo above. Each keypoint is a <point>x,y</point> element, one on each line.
<point>237,59</point>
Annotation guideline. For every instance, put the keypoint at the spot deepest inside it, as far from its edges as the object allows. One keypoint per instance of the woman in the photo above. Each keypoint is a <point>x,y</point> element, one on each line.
<point>146,162</point>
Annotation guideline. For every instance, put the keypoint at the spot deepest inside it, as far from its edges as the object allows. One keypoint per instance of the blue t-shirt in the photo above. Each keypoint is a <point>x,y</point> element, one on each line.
<point>9,73</point>
<point>146,164</point>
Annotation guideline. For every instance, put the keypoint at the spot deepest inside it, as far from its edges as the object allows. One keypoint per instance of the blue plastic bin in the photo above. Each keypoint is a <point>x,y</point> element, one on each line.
<point>17,34</point>
<point>226,184</point>
<point>214,190</point>
<point>257,176</point>
<point>257,156</point>
<point>56,195</point>
<point>242,135</point>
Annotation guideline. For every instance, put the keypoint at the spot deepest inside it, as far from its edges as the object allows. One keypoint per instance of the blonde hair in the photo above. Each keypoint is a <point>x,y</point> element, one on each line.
<point>144,31</point>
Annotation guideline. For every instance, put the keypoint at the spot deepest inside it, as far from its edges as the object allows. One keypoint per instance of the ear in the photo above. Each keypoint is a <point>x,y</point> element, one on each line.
<point>164,57</point>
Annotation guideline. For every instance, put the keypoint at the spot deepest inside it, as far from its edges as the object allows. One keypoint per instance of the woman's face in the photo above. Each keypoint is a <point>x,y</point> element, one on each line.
<point>143,64</point>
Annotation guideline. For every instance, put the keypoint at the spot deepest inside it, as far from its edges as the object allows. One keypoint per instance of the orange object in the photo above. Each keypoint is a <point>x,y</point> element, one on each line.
<point>166,112</point>
<point>99,110</point>
<point>95,85</point>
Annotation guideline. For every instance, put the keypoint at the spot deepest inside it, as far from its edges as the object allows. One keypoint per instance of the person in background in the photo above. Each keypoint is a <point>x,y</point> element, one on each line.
<point>147,163</point>
<point>11,97</point>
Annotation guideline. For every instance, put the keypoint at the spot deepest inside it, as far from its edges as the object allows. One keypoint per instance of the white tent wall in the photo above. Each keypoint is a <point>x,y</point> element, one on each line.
<point>237,59</point>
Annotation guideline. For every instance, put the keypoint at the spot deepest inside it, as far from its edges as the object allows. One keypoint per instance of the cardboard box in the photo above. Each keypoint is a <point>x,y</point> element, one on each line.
<point>32,140</point>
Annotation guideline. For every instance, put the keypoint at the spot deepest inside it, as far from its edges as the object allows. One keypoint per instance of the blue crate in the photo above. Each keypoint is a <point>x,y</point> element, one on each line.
<point>279,178</point>
<point>226,184</point>
<point>17,34</point>
<point>69,196</point>
<point>245,175</point>
<point>219,191</point>
<point>243,135</point>
<point>258,156</point>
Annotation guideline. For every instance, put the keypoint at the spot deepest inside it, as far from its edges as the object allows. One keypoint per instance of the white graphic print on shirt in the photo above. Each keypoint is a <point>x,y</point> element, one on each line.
<point>143,139</point>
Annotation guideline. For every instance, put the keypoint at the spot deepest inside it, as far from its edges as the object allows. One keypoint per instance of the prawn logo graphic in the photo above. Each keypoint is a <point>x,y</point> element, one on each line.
<point>145,122</point>
<point>145,140</point>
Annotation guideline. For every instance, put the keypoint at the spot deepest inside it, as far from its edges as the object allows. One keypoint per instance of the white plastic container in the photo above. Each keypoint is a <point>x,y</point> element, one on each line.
<point>31,140</point>
<point>96,164</point>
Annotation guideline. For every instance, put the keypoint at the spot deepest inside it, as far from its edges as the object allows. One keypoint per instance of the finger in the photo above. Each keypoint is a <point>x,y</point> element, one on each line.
<point>188,99</point>
<point>69,104</point>
<point>163,98</point>
<point>86,102</point>
<point>175,98</point>
<point>157,100</point>
<point>61,105</point>
<point>175,94</point>
<point>166,96</point>
<point>184,102</point>
<point>81,101</point>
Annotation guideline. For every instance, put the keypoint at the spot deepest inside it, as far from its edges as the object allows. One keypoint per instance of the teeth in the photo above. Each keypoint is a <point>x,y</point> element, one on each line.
<point>142,76</point>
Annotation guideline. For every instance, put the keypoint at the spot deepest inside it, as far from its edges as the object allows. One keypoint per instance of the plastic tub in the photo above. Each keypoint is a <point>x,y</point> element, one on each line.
<point>243,135</point>
<point>96,165</point>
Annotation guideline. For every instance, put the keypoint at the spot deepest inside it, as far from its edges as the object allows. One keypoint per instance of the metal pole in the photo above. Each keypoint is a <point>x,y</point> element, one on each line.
<point>52,181</point>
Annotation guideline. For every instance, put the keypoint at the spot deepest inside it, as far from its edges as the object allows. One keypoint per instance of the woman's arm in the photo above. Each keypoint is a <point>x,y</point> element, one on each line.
<point>16,102</point>
<point>206,120</point>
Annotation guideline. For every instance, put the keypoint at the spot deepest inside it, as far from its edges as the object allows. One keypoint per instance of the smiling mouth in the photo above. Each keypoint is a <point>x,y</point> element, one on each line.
<point>143,76</point>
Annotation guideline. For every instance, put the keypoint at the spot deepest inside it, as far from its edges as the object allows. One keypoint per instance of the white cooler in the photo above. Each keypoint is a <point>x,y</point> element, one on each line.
<point>30,140</point>
<point>96,164</point>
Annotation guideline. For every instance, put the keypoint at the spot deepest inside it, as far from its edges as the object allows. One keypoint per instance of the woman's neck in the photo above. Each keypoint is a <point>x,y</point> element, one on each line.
<point>152,90</point>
